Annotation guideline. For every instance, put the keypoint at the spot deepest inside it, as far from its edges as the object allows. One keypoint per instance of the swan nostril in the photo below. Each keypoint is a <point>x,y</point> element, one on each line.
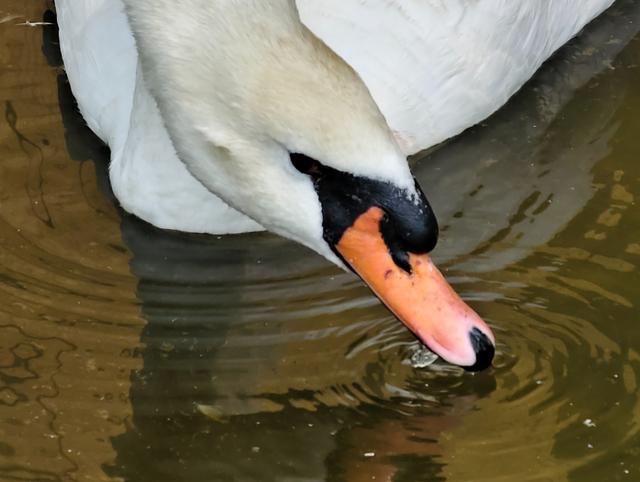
<point>484,350</point>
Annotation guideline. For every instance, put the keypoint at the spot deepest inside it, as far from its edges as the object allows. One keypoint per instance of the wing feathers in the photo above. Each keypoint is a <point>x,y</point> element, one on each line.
<point>436,67</point>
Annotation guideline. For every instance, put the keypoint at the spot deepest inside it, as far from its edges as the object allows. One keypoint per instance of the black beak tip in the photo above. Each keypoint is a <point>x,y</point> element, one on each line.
<point>484,351</point>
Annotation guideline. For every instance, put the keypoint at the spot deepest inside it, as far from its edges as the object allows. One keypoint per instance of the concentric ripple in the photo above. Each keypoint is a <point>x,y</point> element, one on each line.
<point>132,353</point>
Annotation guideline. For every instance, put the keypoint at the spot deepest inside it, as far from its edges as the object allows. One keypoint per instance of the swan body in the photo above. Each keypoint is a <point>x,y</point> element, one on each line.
<point>434,68</point>
<point>296,116</point>
<point>437,67</point>
<point>101,61</point>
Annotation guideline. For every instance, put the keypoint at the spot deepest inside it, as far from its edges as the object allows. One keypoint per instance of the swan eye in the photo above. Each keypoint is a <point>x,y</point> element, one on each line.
<point>306,164</point>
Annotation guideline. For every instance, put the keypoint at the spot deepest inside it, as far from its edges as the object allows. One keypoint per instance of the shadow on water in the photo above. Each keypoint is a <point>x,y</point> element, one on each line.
<point>262,362</point>
<point>227,392</point>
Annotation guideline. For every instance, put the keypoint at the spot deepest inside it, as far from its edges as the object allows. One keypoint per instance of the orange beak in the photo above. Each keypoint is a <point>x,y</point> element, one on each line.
<point>422,299</point>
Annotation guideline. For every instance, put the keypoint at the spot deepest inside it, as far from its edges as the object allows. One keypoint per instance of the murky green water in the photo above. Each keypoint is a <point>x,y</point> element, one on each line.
<point>130,353</point>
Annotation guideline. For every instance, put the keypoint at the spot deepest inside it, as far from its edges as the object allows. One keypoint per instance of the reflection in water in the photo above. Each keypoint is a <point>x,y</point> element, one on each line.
<point>137,354</point>
<point>233,382</point>
<point>67,298</point>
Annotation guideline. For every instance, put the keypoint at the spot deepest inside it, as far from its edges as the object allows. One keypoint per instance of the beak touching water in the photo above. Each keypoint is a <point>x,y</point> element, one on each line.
<point>383,233</point>
<point>422,299</point>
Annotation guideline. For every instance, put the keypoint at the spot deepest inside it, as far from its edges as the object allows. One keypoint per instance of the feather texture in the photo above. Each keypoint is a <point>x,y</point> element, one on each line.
<point>147,176</point>
<point>433,67</point>
<point>436,67</point>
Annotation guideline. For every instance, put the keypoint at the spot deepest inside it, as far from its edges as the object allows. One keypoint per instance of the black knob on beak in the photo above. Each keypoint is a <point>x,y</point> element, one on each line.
<point>484,351</point>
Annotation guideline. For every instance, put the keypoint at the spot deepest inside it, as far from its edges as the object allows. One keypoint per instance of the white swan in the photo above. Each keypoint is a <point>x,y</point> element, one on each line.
<point>297,116</point>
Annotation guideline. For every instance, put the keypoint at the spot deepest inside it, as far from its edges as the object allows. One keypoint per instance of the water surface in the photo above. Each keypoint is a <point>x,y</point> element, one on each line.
<point>136,354</point>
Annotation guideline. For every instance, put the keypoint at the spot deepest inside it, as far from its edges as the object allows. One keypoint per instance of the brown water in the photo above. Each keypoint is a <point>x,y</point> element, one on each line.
<point>130,353</point>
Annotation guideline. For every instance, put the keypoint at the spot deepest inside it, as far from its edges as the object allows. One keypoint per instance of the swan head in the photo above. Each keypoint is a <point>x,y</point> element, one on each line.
<point>383,232</point>
<point>274,123</point>
<point>375,222</point>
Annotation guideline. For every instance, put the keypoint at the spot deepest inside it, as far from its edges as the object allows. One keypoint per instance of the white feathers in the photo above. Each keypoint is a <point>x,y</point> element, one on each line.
<point>436,67</point>
<point>207,102</point>
<point>100,59</point>
<point>237,90</point>
<point>149,180</point>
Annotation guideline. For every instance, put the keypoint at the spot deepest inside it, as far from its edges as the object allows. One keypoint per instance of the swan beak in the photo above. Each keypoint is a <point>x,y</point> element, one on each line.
<point>422,299</point>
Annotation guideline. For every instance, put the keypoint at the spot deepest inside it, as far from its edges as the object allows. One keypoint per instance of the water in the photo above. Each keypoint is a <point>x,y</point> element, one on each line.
<point>131,353</point>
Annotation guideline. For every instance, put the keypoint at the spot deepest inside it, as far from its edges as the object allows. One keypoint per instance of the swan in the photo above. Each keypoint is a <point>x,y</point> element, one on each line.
<point>297,116</point>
